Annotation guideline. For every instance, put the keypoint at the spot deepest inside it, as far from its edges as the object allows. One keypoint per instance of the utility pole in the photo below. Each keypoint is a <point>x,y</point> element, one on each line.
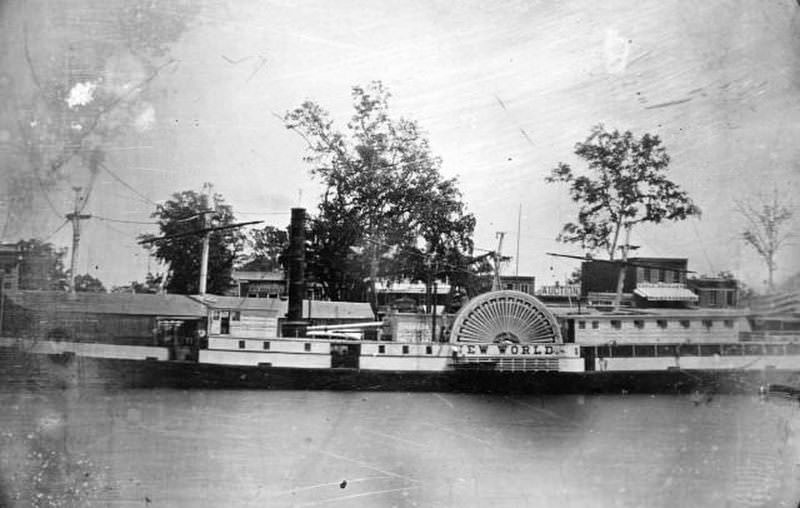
<point>75,217</point>
<point>496,283</point>
<point>623,266</point>
<point>204,260</point>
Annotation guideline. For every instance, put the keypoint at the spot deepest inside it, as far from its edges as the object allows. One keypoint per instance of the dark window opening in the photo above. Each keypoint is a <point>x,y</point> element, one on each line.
<point>429,350</point>
<point>595,325</point>
<point>709,349</point>
<point>708,323</point>
<point>307,346</point>
<point>616,323</point>
<point>646,351</point>
<point>381,349</point>
<point>666,350</point>
<point>732,349</point>
<point>685,323</point>
<point>662,323</point>
<point>753,349</point>
<point>581,325</point>
<point>236,316</point>
<point>241,344</point>
<point>266,346</point>
<point>622,351</point>
<point>638,323</point>
<point>728,323</point>
<point>774,349</point>
<point>405,350</point>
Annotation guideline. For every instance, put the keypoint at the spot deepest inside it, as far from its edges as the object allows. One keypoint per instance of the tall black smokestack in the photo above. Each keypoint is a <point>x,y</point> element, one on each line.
<point>295,326</point>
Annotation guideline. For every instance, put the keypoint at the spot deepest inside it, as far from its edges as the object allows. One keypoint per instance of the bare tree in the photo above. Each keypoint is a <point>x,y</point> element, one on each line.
<point>767,227</point>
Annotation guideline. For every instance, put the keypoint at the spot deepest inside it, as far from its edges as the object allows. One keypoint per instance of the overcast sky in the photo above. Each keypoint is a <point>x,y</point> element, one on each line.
<point>503,90</point>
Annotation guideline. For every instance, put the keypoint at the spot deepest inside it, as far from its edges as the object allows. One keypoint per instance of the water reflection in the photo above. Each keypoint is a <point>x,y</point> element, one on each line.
<point>271,448</point>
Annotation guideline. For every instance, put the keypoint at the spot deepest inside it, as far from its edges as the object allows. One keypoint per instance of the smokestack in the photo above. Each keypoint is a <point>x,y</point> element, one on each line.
<point>294,325</point>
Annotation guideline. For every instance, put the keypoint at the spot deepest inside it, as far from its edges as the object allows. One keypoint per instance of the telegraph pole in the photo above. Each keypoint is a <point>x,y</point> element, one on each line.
<point>204,260</point>
<point>75,217</point>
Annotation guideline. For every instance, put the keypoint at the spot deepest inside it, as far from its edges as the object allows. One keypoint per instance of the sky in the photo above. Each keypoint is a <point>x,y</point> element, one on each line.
<point>503,91</point>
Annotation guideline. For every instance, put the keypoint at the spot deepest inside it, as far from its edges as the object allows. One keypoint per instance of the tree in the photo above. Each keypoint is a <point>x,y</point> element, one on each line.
<point>151,285</point>
<point>88,284</point>
<point>183,215</point>
<point>78,83</point>
<point>41,266</point>
<point>267,247</point>
<point>766,227</point>
<point>630,186</point>
<point>385,207</point>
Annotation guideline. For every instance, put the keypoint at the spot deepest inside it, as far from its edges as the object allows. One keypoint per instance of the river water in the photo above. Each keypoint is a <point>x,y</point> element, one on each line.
<point>79,447</point>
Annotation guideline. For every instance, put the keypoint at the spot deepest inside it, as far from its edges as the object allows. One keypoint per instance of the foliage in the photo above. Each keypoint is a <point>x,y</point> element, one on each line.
<point>629,186</point>
<point>184,213</point>
<point>267,248</point>
<point>81,83</point>
<point>151,285</point>
<point>88,284</point>
<point>41,266</point>
<point>386,209</point>
<point>766,228</point>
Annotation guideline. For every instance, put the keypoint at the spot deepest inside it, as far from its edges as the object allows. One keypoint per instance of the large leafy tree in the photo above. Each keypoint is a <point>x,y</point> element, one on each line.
<point>386,209</point>
<point>766,228</point>
<point>41,266</point>
<point>266,248</point>
<point>87,284</point>
<point>180,220</point>
<point>626,185</point>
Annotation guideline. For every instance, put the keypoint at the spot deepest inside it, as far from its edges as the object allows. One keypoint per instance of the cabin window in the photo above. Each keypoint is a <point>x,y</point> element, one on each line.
<point>753,349</point>
<point>241,344</point>
<point>685,323</point>
<point>662,323</point>
<point>708,323</point>
<point>640,274</point>
<point>581,325</point>
<point>215,315</point>
<point>236,316</point>
<point>595,325</point>
<point>616,323</point>
<point>638,323</point>
<point>622,351</point>
<point>225,323</point>
<point>732,349</point>
<point>728,323</point>
<point>381,349</point>
<point>405,350</point>
<point>709,349</point>
<point>645,351</point>
<point>666,350</point>
<point>524,288</point>
<point>307,346</point>
<point>774,349</point>
<point>429,350</point>
<point>266,345</point>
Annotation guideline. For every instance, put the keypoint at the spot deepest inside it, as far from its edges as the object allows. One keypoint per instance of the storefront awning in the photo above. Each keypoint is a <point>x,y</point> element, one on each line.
<point>666,294</point>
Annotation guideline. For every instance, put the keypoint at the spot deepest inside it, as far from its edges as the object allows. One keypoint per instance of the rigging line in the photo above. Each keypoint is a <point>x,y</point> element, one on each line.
<point>109,226</point>
<point>123,182</point>
<point>59,228</point>
<point>122,221</point>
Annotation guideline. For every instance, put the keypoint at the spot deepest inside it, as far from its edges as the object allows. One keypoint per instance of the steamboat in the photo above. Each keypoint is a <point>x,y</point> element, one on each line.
<point>500,341</point>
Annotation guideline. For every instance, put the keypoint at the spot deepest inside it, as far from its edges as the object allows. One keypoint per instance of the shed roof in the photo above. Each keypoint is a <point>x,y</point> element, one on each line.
<point>108,303</point>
